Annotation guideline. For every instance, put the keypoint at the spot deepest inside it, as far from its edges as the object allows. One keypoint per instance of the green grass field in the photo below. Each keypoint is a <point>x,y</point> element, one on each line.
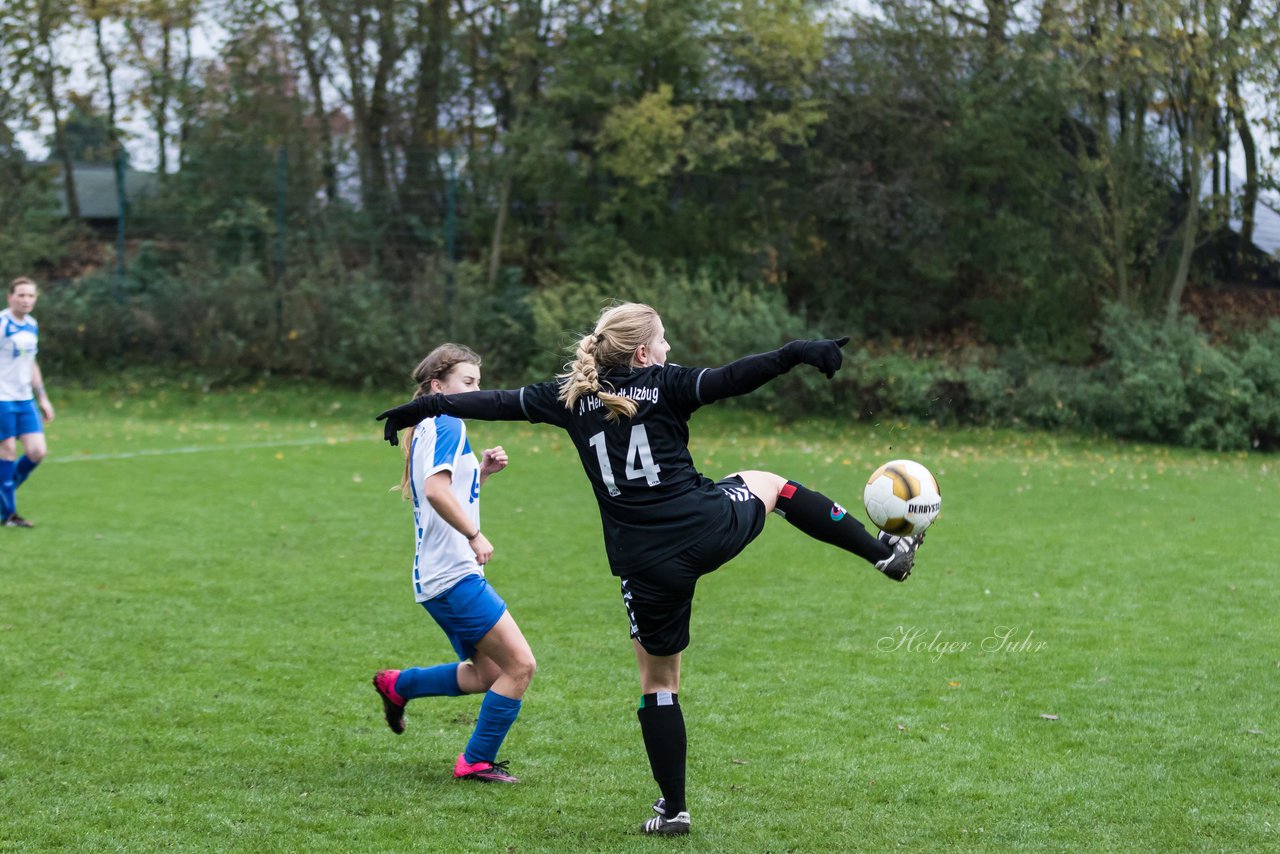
<point>1085,659</point>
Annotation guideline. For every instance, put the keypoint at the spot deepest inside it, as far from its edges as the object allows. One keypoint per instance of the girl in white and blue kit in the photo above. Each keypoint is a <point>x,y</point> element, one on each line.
<point>23,399</point>
<point>443,477</point>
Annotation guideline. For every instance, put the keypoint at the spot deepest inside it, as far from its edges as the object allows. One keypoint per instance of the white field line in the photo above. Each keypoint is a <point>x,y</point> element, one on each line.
<point>203,449</point>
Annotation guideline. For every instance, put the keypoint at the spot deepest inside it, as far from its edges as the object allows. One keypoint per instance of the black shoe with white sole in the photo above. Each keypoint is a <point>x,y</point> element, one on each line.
<point>899,564</point>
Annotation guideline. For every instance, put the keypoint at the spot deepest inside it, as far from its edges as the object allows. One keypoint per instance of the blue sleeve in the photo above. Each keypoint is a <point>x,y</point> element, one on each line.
<point>449,437</point>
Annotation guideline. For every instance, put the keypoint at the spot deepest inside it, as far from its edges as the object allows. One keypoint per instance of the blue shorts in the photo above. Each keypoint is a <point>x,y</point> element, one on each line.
<point>18,418</point>
<point>466,612</point>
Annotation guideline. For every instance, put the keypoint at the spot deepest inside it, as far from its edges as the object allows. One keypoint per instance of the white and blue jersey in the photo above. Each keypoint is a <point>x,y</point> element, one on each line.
<point>19,341</point>
<point>443,556</point>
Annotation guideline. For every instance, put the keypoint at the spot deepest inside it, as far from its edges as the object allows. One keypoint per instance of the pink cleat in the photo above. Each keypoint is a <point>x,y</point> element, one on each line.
<point>384,682</point>
<point>485,772</point>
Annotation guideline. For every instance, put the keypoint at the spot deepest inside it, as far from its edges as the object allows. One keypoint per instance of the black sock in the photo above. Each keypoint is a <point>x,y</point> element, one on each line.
<point>823,519</point>
<point>662,724</point>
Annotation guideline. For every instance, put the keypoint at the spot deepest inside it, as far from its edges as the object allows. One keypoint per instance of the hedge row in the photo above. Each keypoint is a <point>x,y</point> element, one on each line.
<point>1150,381</point>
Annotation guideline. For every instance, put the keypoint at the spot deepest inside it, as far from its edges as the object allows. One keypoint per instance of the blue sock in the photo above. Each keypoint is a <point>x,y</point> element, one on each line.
<point>438,681</point>
<point>24,469</point>
<point>497,714</point>
<point>7,502</point>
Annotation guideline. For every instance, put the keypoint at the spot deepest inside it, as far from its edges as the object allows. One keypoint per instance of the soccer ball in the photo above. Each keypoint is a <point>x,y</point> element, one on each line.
<point>902,498</point>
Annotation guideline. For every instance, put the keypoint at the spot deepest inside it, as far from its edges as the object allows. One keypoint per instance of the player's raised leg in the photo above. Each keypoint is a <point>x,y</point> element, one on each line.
<point>823,519</point>
<point>398,687</point>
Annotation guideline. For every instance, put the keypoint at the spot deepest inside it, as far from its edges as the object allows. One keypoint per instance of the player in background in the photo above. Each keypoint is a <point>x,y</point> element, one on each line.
<point>665,524</point>
<point>22,398</point>
<point>443,477</point>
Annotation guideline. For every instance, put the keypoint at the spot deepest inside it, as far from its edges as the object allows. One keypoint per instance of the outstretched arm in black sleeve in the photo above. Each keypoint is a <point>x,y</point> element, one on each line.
<point>750,372</point>
<point>501,405</point>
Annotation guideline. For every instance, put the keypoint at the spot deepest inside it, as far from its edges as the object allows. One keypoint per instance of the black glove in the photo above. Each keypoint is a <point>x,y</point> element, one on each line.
<point>824,354</point>
<point>407,415</point>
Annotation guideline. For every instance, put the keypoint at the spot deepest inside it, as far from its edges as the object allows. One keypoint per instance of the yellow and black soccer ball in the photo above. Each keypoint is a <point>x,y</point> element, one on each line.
<point>902,498</point>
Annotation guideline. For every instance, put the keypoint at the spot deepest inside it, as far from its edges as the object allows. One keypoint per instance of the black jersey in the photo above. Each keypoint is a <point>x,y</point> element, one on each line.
<point>653,501</point>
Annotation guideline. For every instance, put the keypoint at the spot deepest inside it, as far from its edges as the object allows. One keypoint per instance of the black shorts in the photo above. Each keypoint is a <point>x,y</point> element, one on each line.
<point>659,600</point>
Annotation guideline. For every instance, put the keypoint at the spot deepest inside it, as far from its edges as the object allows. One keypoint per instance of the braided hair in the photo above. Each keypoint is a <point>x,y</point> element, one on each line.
<point>619,331</point>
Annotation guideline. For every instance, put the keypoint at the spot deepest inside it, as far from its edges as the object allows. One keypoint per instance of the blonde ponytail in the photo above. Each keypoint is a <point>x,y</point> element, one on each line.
<point>619,331</point>
<point>582,376</point>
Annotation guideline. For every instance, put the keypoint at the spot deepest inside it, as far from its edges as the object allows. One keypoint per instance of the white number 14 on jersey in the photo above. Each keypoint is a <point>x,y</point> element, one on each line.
<point>639,459</point>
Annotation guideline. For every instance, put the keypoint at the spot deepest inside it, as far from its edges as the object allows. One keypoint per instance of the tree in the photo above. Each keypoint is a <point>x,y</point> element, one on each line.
<point>31,29</point>
<point>86,132</point>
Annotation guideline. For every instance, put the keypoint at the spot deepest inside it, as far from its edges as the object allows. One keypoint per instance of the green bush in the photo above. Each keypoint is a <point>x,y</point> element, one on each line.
<point>1156,382</point>
<point>1153,381</point>
<point>1260,362</point>
<point>1165,382</point>
<point>223,324</point>
<point>979,388</point>
<point>327,323</point>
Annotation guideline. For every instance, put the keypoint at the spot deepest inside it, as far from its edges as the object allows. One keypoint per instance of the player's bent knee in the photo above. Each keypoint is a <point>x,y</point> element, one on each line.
<point>522,669</point>
<point>762,483</point>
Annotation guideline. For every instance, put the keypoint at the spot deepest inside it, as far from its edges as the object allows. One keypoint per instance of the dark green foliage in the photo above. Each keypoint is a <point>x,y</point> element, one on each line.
<point>1260,361</point>
<point>330,323</point>
<point>1156,382</point>
<point>159,316</point>
<point>1164,381</point>
<point>948,192</point>
<point>31,235</point>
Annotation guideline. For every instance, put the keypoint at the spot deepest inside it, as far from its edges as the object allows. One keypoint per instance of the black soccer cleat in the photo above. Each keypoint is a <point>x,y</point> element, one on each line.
<point>661,825</point>
<point>16,521</point>
<point>899,564</point>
